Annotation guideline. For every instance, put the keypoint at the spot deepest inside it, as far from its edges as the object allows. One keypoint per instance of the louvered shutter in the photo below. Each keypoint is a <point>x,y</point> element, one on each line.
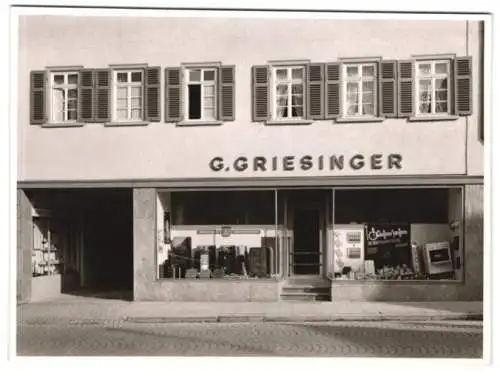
<point>226,93</point>
<point>332,90</point>
<point>173,94</point>
<point>315,79</point>
<point>406,73</point>
<point>38,113</point>
<point>86,96</point>
<point>152,94</point>
<point>102,95</point>
<point>463,85</point>
<point>388,88</point>
<point>260,90</point>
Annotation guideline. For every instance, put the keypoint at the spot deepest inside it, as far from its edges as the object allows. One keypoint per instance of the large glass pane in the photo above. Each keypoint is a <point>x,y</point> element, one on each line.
<point>424,107</point>
<point>73,79</point>
<point>441,107</point>
<point>368,98</point>
<point>282,111</point>
<point>136,114</point>
<point>368,109</point>
<point>121,114</point>
<point>136,91</point>
<point>136,76</point>
<point>441,95</point>
<point>441,68</point>
<point>368,86</point>
<point>72,93</point>
<point>297,73</point>
<point>424,68</point>
<point>442,83</point>
<point>136,102</point>
<point>297,89</point>
<point>122,77</point>
<point>58,98</point>
<point>209,75</point>
<point>352,71</point>
<point>281,74</point>
<point>352,109</point>
<point>195,75</point>
<point>297,100</point>
<point>297,111</point>
<point>352,87</point>
<point>121,92</point>
<point>368,71</point>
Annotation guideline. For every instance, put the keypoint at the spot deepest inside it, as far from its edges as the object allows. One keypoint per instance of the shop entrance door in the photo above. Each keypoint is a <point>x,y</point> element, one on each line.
<point>306,257</point>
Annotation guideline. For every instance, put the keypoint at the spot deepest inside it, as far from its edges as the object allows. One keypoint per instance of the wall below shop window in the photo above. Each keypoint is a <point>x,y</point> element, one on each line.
<point>45,287</point>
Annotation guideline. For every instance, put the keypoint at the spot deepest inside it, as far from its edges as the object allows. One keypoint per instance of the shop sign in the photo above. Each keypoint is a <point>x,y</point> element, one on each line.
<point>380,234</point>
<point>336,162</point>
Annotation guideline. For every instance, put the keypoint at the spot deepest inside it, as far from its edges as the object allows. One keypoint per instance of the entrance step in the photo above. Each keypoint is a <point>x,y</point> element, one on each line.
<point>301,290</point>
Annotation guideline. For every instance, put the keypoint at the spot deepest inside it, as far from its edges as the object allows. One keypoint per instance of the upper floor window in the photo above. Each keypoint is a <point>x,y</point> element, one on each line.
<point>360,94</point>
<point>288,93</point>
<point>63,97</point>
<point>201,94</point>
<point>433,87</point>
<point>128,95</point>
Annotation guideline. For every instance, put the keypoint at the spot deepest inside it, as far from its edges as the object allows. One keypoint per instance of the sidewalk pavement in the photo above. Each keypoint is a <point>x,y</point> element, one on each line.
<point>92,310</point>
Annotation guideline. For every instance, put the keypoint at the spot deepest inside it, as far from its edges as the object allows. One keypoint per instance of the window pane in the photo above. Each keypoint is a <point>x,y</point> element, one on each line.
<point>121,77</point>
<point>136,91</point>
<point>136,114</point>
<point>368,71</point>
<point>73,79</point>
<point>195,75</point>
<point>442,83</point>
<point>424,108</point>
<point>59,79</point>
<point>424,68</point>
<point>58,105</point>
<point>209,75</point>
<point>368,109</point>
<point>282,111</point>
<point>72,93</point>
<point>425,88</point>
<point>209,113</point>
<point>297,73</point>
<point>368,98</point>
<point>352,71</point>
<point>297,89</point>
<point>121,114</point>
<point>72,115</point>
<point>281,74</point>
<point>352,109</point>
<point>441,95</point>
<point>352,98</point>
<point>209,102</point>
<point>297,100</point>
<point>282,89</point>
<point>368,86</point>
<point>352,87</point>
<point>441,68</point>
<point>136,76</point>
<point>441,107</point>
<point>297,111</point>
<point>72,104</point>
<point>121,92</point>
<point>121,104</point>
<point>136,102</point>
<point>209,90</point>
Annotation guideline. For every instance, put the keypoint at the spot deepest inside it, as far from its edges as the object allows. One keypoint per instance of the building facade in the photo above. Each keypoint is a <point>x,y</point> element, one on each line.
<point>250,159</point>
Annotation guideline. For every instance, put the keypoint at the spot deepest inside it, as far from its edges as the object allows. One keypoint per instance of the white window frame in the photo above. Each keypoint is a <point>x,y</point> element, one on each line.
<point>65,87</point>
<point>129,84</point>
<point>290,81</point>
<point>203,84</point>
<point>359,81</point>
<point>432,76</point>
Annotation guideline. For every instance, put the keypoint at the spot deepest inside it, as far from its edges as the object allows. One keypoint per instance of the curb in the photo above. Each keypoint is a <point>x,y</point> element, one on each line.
<point>285,319</point>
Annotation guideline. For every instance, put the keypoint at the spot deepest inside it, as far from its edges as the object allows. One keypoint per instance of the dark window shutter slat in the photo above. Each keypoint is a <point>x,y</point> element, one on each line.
<point>332,90</point>
<point>406,74</point>
<point>152,94</point>
<point>85,95</point>
<point>388,88</point>
<point>463,85</point>
<point>173,92</point>
<point>226,93</point>
<point>315,80</point>
<point>260,100</point>
<point>38,97</point>
<point>102,95</point>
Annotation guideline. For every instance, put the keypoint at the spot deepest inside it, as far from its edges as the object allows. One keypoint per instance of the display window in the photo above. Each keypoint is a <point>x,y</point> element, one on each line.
<point>397,234</point>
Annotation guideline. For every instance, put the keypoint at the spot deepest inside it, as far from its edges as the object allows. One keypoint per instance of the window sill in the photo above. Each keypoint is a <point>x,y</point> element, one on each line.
<point>359,120</point>
<point>433,118</point>
<point>195,123</point>
<point>126,123</point>
<point>289,122</point>
<point>62,125</point>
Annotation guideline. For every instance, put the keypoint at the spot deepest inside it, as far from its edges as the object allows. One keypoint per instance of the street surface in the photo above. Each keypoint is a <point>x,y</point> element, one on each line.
<point>433,339</point>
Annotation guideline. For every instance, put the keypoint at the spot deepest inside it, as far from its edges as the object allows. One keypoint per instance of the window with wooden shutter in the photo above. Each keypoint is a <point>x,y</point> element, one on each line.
<point>86,95</point>
<point>260,98</point>
<point>315,79</point>
<point>388,88</point>
<point>173,95</point>
<point>406,89</point>
<point>332,90</point>
<point>152,94</point>
<point>38,111</point>
<point>226,93</point>
<point>102,96</point>
<point>463,85</point>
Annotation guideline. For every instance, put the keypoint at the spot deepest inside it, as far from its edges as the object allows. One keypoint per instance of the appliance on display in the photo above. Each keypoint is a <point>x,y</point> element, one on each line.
<point>349,247</point>
<point>437,258</point>
<point>166,227</point>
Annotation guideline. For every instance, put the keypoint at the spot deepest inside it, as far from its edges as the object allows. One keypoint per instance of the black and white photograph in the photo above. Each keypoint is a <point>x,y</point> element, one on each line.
<point>257,183</point>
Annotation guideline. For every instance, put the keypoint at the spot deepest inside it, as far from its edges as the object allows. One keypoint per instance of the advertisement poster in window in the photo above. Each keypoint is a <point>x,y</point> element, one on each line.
<point>388,245</point>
